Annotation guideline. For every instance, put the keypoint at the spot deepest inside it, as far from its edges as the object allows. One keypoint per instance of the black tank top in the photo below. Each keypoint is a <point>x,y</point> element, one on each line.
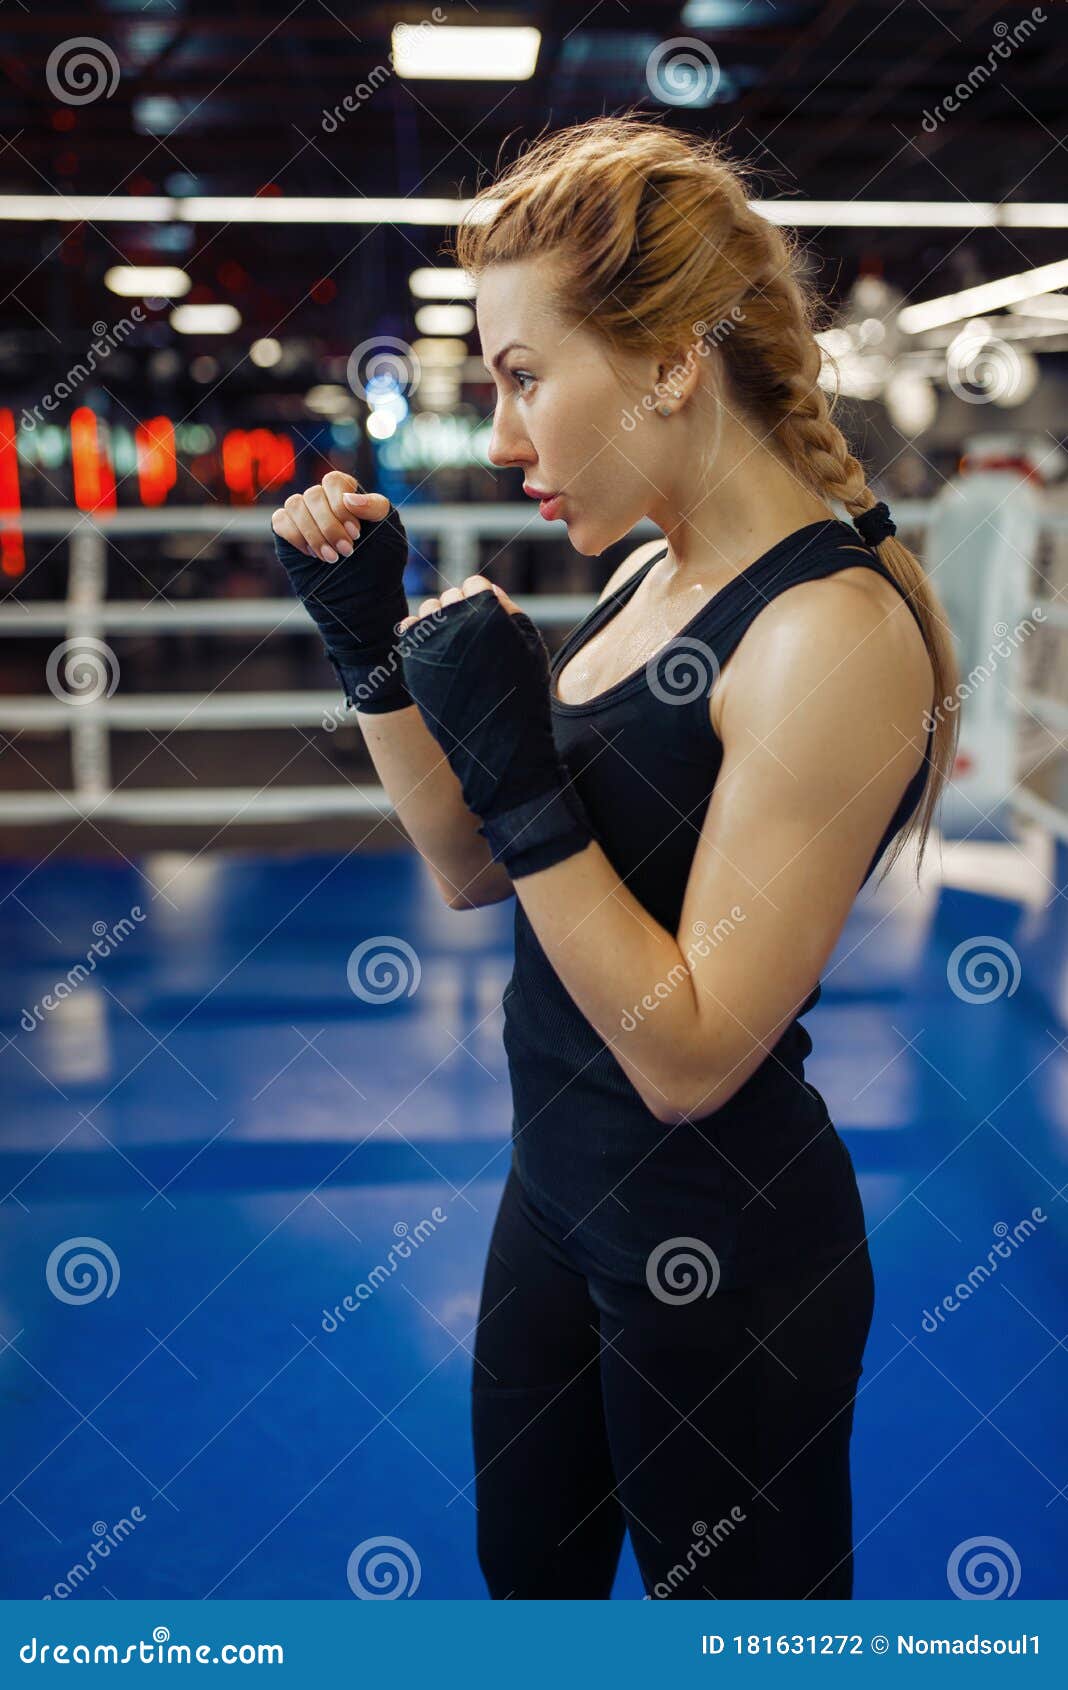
<point>589,1153</point>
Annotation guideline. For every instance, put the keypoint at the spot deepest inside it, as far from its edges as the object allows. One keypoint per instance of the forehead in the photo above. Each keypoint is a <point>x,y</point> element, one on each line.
<point>516,302</point>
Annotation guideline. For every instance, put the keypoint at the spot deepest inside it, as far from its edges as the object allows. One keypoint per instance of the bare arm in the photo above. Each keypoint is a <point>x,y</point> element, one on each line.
<point>427,798</point>
<point>783,847</point>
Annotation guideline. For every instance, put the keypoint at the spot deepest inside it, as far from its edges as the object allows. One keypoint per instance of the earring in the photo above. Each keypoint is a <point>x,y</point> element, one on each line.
<point>664,410</point>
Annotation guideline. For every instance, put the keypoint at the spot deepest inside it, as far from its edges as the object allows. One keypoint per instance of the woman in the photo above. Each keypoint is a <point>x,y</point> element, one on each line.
<point>678,1291</point>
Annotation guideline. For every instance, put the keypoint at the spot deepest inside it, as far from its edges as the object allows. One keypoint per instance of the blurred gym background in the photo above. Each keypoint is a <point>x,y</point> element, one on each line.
<point>250,1063</point>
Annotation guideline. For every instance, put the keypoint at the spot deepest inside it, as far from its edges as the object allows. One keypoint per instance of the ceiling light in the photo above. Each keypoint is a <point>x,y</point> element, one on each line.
<point>466,54</point>
<point>205,319</point>
<point>988,296</point>
<point>439,353</point>
<point>445,319</point>
<point>135,281</point>
<point>445,282</point>
<point>265,353</point>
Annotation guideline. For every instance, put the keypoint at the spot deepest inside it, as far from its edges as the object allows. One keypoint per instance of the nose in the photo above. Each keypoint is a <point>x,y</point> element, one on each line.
<point>508,445</point>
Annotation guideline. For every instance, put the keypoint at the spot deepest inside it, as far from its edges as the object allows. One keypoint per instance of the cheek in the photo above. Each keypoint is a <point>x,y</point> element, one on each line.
<point>577,431</point>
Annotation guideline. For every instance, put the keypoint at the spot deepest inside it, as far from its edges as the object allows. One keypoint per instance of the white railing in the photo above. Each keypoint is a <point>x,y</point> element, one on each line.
<point>87,614</point>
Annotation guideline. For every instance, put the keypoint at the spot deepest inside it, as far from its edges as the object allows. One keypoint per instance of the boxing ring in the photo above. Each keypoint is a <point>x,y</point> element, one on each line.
<point>88,709</point>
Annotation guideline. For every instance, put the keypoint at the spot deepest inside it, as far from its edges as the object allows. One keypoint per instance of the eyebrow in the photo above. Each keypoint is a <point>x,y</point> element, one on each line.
<point>512,345</point>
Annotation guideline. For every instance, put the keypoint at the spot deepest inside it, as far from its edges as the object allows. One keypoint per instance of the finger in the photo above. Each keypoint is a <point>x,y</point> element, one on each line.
<point>429,605</point>
<point>316,542</point>
<point>335,484</point>
<point>374,506</point>
<point>451,595</point>
<point>332,530</point>
<point>287,530</point>
<point>479,584</point>
<point>405,624</point>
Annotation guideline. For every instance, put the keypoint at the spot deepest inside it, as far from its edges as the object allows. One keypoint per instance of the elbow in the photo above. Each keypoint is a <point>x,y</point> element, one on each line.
<point>460,901</point>
<point>677,1105</point>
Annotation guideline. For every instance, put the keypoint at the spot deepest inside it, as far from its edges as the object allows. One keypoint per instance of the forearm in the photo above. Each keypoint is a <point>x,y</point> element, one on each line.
<point>611,954</point>
<point>426,796</point>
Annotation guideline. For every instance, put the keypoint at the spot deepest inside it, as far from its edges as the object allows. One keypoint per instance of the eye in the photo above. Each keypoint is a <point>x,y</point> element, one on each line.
<point>521,376</point>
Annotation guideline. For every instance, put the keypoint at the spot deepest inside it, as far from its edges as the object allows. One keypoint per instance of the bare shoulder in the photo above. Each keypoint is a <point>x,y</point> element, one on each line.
<point>631,563</point>
<point>850,636</point>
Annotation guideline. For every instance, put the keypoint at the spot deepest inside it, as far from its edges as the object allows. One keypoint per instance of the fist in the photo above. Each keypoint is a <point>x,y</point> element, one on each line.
<point>452,595</point>
<point>323,521</point>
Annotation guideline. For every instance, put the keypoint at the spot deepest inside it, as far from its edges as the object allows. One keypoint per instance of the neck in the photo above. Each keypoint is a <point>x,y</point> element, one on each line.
<point>749,500</point>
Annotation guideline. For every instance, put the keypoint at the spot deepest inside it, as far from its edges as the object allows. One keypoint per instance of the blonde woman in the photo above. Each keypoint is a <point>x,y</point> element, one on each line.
<point>684,803</point>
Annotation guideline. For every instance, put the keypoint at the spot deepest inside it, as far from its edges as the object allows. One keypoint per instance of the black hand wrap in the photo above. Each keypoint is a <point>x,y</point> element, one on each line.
<point>356,604</point>
<point>479,675</point>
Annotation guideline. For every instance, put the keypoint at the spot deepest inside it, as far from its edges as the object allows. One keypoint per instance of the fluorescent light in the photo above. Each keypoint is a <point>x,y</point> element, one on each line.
<point>467,54</point>
<point>988,296</point>
<point>445,319</point>
<point>205,319</point>
<point>276,208</point>
<point>887,214</point>
<point>442,282</point>
<point>1043,305</point>
<point>89,208</point>
<point>437,353</point>
<point>147,282</point>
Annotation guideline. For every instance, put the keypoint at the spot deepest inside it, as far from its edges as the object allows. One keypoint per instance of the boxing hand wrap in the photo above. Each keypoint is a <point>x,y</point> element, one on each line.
<point>479,675</point>
<point>356,604</point>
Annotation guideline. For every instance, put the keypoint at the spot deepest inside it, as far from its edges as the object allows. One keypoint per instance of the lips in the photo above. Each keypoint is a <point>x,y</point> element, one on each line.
<point>548,503</point>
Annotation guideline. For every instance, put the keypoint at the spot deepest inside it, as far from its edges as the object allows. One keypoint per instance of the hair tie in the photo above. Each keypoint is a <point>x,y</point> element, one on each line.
<point>875,524</point>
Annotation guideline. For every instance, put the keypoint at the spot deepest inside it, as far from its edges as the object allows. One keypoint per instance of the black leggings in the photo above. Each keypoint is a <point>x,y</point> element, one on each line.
<point>716,1429</point>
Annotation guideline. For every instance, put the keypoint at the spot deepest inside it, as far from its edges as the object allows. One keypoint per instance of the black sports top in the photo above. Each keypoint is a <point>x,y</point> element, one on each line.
<point>588,1151</point>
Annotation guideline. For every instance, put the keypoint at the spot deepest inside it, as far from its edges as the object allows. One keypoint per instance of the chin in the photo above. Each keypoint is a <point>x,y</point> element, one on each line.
<point>587,539</point>
<point>594,544</point>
